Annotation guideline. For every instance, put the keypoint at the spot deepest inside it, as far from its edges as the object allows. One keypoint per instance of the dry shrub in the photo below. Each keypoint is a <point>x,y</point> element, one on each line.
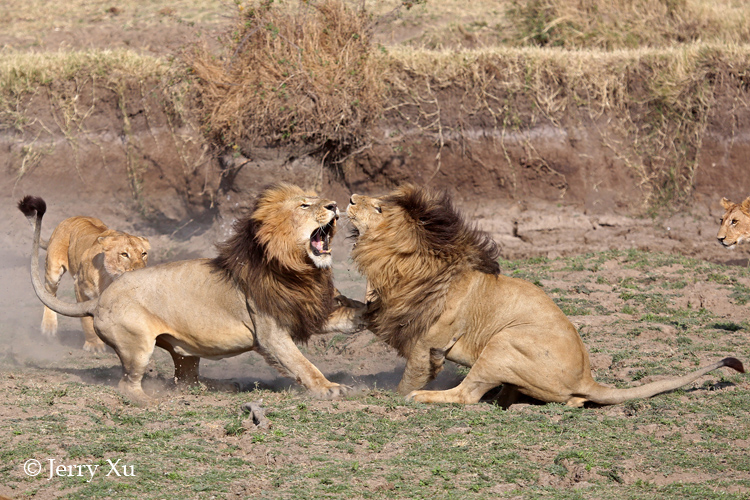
<point>301,76</point>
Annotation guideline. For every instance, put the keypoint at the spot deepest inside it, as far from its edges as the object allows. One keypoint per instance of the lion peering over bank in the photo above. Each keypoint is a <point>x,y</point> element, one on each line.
<point>436,294</point>
<point>735,223</point>
<point>270,285</point>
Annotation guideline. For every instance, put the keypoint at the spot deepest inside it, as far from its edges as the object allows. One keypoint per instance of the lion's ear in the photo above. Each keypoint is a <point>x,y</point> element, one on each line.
<point>105,242</point>
<point>745,207</point>
<point>726,203</point>
<point>145,242</point>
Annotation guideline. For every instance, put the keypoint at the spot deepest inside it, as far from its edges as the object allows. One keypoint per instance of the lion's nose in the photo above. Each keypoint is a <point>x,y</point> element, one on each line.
<point>351,201</point>
<point>331,206</point>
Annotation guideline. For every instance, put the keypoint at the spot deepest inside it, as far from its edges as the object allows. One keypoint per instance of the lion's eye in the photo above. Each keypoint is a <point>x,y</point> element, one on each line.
<point>379,210</point>
<point>734,222</point>
<point>305,205</point>
<point>144,254</point>
<point>125,254</point>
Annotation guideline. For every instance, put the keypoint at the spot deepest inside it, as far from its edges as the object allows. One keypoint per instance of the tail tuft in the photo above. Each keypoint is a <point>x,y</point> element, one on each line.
<point>734,363</point>
<point>32,205</point>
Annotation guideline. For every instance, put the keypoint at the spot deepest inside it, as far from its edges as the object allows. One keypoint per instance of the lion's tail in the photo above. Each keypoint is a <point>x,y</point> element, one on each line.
<point>609,396</point>
<point>29,203</point>
<point>33,208</point>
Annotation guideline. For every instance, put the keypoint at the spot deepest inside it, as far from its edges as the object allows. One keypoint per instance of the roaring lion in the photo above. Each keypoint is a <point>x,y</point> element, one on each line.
<point>270,285</point>
<point>437,293</point>
<point>94,255</point>
<point>735,223</point>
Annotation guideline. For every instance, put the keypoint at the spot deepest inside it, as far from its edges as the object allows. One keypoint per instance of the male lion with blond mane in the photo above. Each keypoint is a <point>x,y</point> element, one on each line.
<point>94,255</point>
<point>735,223</point>
<point>437,293</point>
<point>271,285</point>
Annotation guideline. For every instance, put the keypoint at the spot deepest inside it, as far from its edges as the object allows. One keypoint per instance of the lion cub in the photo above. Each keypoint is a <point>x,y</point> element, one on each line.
<point>94,255</point>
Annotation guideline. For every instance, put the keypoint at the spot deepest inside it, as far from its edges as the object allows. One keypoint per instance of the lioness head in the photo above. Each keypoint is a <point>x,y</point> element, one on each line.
<point>735,223</point>
<point>293,224</point>
<point>123,252</point>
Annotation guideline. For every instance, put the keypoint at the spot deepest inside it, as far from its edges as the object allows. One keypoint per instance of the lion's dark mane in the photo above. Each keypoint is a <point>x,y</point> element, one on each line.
<point>299,301</point>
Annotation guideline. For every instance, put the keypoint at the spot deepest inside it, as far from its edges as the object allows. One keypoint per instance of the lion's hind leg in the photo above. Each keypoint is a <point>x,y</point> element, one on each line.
<point>92,343</point>
<point>186,368</point>
<point>469,391</point>
<point>489,371</point>
<point>53,274</point>
<point>135,352</point>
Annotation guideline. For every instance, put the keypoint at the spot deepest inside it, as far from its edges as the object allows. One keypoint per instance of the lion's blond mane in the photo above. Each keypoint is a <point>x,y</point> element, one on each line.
<point>412,260</point>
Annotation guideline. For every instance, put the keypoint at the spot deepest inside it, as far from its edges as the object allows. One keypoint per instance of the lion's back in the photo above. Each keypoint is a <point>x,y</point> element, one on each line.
<point>182,288</point>
<point>72,238</point>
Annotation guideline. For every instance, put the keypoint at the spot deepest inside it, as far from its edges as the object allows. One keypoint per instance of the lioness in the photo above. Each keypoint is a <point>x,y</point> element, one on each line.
<point>94,255</point>
<point>270,285</point>
<point>437,293</point>
<point>735,223</point>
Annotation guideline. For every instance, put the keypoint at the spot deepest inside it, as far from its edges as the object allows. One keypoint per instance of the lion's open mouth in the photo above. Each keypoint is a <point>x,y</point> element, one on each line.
<point>320,239</point>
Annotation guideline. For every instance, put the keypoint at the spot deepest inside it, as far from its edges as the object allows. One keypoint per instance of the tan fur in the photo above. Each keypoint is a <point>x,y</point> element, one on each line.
<point>220,308</point>
<point>94,255</point>
<point>436,295</point>
<point>735,223</point>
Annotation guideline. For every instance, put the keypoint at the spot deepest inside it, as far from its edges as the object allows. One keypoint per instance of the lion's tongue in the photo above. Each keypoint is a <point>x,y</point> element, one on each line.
<point>320,243</point>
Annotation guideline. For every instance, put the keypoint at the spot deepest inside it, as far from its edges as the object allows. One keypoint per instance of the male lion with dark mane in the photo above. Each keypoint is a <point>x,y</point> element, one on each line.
<point>271,285</point>
<point>735,223</point>
<point>94,255</point>
<point>437,293</point>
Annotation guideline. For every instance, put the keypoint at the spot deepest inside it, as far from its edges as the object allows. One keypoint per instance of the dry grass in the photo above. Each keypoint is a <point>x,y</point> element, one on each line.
<point>596,24</point>
<point>300,75</point>
<point>23,72</point>
<point>36,18</point>
<point>609,24</point>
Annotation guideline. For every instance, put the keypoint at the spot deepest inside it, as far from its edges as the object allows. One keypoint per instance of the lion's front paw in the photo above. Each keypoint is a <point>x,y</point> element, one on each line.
<point>94,346</point>
<point>49,329</point>
<point>419,396</point>
<point>334,391</point>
